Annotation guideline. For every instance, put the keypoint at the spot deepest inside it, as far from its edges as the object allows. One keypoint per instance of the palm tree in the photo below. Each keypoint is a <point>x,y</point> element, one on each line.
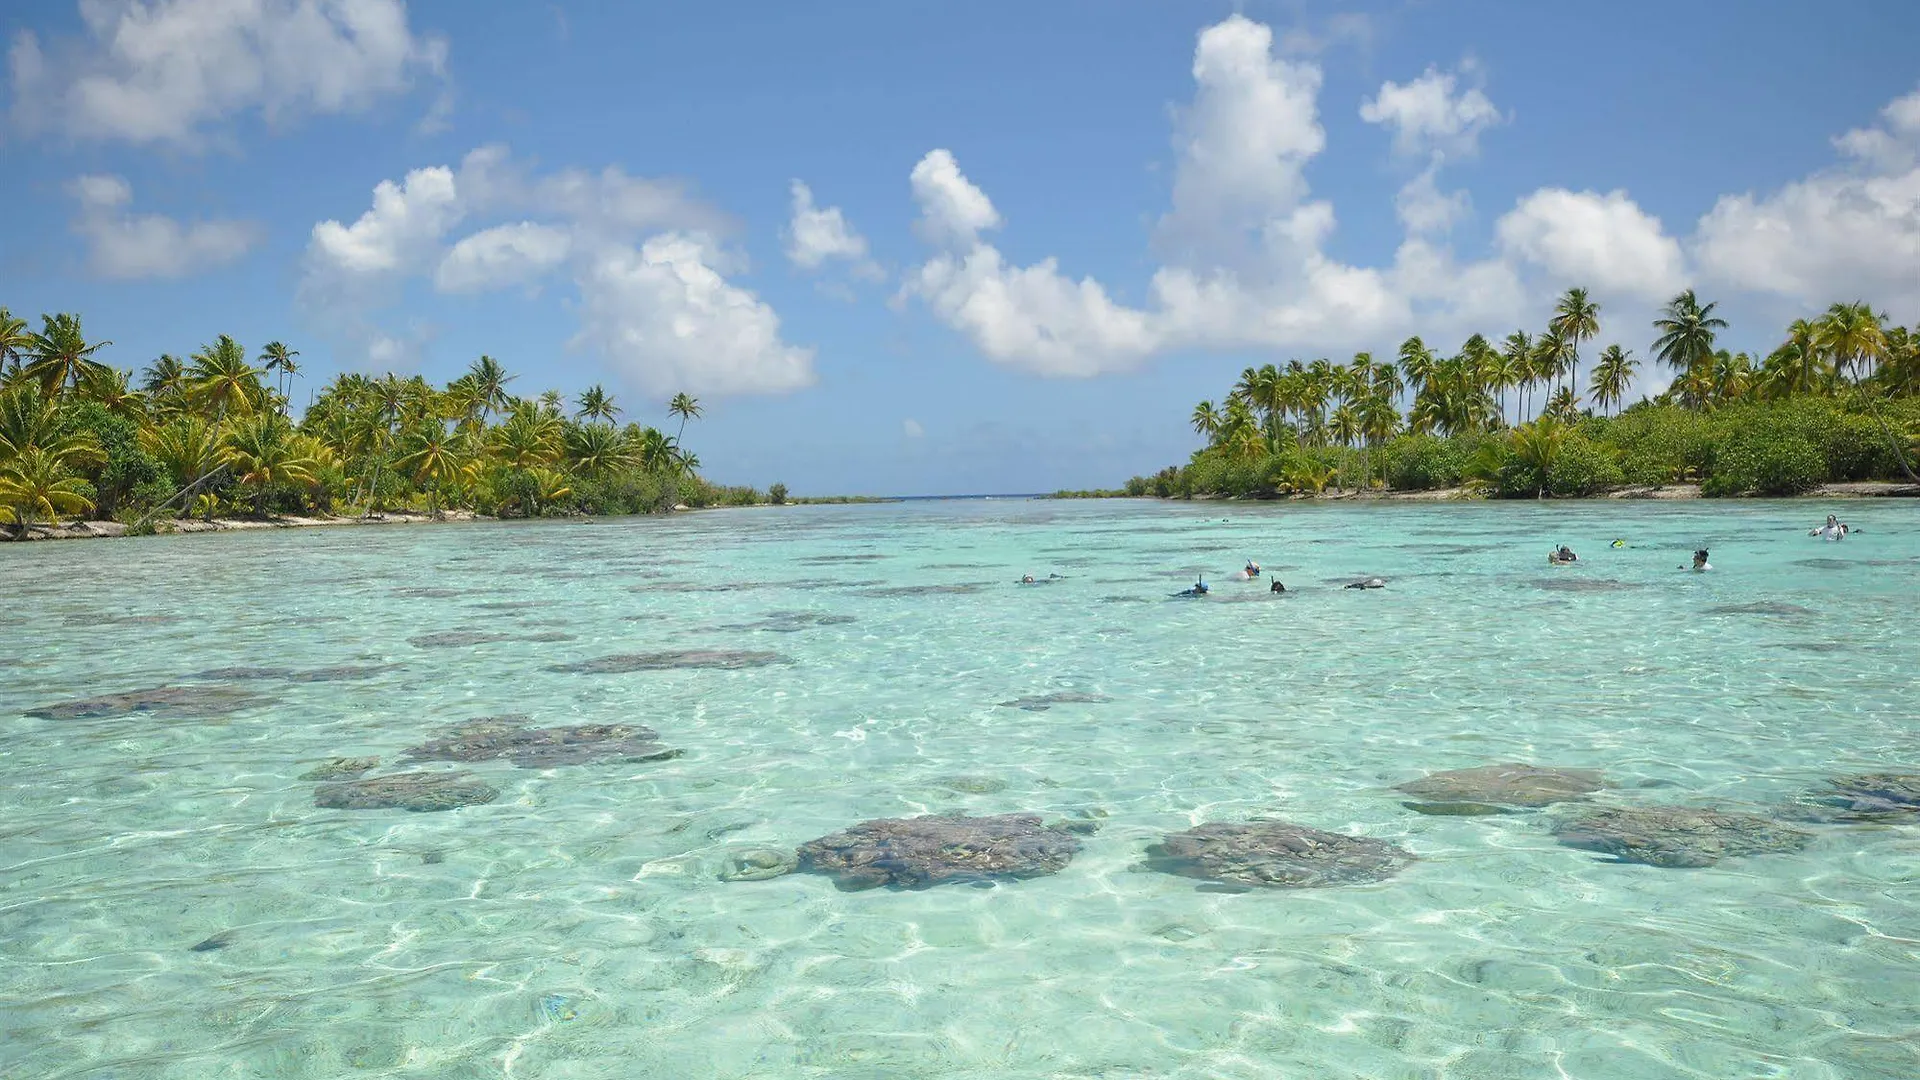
<point>15,341</point>
<point>1537,447</point>
<point>1802,368</point>
<point>529,437</point>
<point>686,408</point>
<point>1416,363</point>
<point>596,404</point>
<point>1553,358</point>
<point>1853,335</point>
<point>1612,375</point>
<point>165,382</point>
<point>188,448</point>
<point>61,356</point>
<point>36,486</point>
<point>490,383</point>
<point>261,453</point>
<point>597,449</point>
<point>223,380</point>
<point>279,364</point>
<point>1686,336</point>
<point>653,448</point>
<point>30,420</point>
<point>1206,421</point>
<point>1575,319</point>
<point>428,454</point>
<point>111,388</point>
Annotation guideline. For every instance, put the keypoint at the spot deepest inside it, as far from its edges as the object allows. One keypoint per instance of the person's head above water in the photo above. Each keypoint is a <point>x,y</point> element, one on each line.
<point>1276,586</point>
<point>1026,579</point>
<point>1700,557</point>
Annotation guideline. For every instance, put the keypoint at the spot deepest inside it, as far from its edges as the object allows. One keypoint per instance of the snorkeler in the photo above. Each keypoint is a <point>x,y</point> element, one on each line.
<point>1026,579</point>
<point>1253,570</point>
<point>1700,562</point>
<point>1369,583</point>
<point>1619,543</point>
<point>1563,556</point>
<point>1199,588</point>
<point>1276,586</point>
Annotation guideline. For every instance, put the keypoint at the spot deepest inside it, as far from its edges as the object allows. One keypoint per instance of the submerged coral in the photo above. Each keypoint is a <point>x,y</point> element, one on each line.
<point>160,700</point>
<point>1276,854</point>
<point>416,791</point>
<point>341,768</point>
<point>724,659</point>
<point>1492,788</point>
<point>1865,797</point>
<point>1678,836</point>
<point>919,852</point>
<point>538,748</point>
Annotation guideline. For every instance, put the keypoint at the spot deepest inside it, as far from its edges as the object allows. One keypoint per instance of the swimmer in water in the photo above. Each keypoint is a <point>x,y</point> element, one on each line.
<point>1700,563</point>
<point>1199,589</point>
<point>1564,555</point>
<point>1276,586</point>
<point>1253,569</point>
<point>1026,579</point>
<point>1619,543</point>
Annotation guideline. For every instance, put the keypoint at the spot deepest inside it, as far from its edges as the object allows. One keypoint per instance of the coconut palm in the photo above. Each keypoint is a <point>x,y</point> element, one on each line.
<point>36,486</point>
<point>1686,333</point>
<point>686,408</point>
<point>261,453</point>
<point>1575,319</point>
<point>1612,375</point>
<point>111,387</point>
<point>429,455</point>
<point>597,404</point>
<point>1205,420</point>
<point>61,356</point>
<point>490,383</point>
<point>1416,363</point>
<point>529,437</point>
<point>597,449</point>
<point>188,447</point>
<point>15,342</point>
<point>1853,335</point>
<point>277,360</point>
<point>223,381</point>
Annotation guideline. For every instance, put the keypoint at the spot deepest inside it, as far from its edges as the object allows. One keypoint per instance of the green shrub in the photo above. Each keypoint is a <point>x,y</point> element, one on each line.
<point>777,494</point>
<point>1765,460</point>
<point>1424,462</point>
<point>1583,467</point>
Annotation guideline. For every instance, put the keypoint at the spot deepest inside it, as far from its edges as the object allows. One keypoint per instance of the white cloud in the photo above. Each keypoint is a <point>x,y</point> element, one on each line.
<point>911,428</point>
<point>1603,241</point>
<point>1242,144</point>
<point>1840,234</point>
<point>952,210</point>
<point>815,235</point>
<point>164,70</point>
<point>1246,247</point>
<point>664,316</point>
<point>501,256</point>
<point>653,296</point>
<point>1431,115</point>
<point>126,245</point>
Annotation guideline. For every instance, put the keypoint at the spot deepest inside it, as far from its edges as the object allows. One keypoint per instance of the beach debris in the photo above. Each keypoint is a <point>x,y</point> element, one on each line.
<point>919,852</point>
<point>492,737</point>
<point>341,768</point>
<point>421,792</point>
<point>757,864</point>
<point>1043,702</point>
<point>1677,836</point>
<point>1491,789</point>
<point>1865,797</point>
<point>160,701</point>
<point>454,639</point>
<point>1276,854</point>
<point>723,659</point>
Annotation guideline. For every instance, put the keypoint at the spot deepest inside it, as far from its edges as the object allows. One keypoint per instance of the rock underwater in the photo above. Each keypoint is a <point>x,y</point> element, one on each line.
<point>1492,789</point>
<point>417,791</point>
<point>495,737</point>
<point>1276,854</point>
<point>919,852</point>
<point>1678,836</point>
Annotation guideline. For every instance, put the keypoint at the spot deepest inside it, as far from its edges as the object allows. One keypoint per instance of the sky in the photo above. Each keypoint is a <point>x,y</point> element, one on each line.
<point>940,248</point>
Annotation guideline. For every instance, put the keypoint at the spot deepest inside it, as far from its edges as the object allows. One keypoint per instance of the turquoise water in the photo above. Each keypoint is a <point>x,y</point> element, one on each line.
<point>577,927</point>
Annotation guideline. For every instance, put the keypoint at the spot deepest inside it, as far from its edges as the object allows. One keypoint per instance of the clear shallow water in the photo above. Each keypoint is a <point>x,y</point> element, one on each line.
<point>576,927</point>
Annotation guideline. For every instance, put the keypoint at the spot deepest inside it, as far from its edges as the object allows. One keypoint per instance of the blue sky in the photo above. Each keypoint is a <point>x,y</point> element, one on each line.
<point>603,192</point>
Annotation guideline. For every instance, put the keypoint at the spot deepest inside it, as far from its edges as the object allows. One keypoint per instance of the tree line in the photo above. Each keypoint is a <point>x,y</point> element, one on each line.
<point>213,434</point>
<point>1835,400</point>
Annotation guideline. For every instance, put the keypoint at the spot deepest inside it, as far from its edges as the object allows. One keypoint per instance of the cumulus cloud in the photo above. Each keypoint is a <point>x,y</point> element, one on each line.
<point>664,316</point>
<point>502,256</point>
<point>1606,241</point>
<point>952,210</point>
<point>644,255</point>
<point>149,71</point>
<point>1851,231</point>
<point>1432,114</point>
<point>121,244</point>
<point>1245,246</point>
<point>815,235</point>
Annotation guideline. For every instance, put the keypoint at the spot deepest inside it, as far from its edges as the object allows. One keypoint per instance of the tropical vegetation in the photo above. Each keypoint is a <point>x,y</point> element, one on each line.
<point>214,434</point>
<point>1837,400</point>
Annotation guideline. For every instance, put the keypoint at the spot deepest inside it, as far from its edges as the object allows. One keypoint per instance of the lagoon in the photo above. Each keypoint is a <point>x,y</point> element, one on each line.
<point>173,904</point>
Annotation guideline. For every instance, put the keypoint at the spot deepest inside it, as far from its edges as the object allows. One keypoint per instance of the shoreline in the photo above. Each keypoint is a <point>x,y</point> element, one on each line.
<point>101,530</point>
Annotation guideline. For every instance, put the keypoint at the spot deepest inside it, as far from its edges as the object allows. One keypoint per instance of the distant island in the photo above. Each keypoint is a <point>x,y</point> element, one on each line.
<point>1833,408</point>
<point>208,442</point>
